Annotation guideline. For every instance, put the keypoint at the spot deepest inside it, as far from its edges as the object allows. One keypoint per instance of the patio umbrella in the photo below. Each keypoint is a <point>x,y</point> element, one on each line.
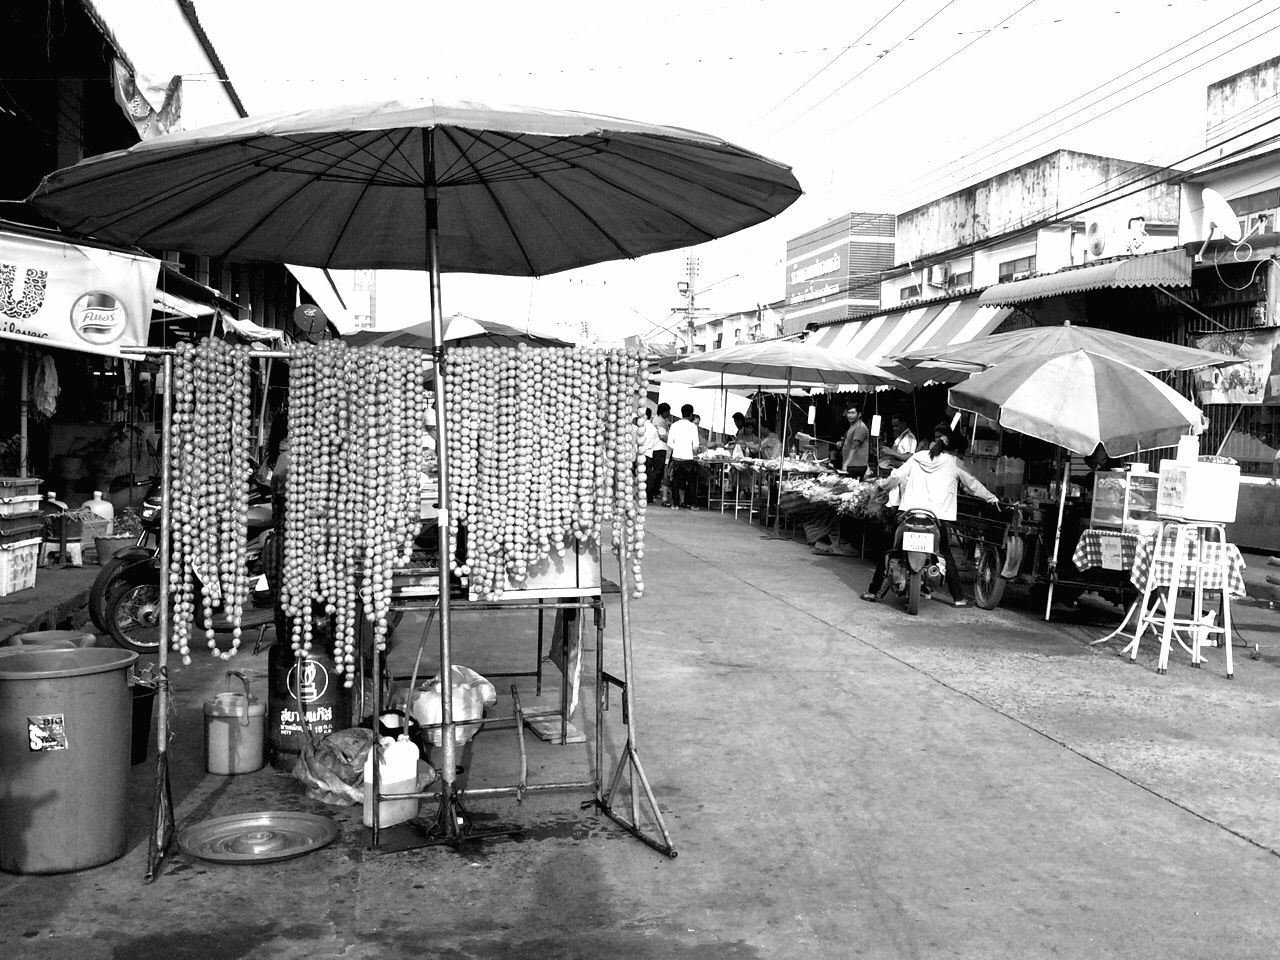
<point>789,361</point>
<point>1153,356</point>
<point>1079,400</point>
<point>459,330</point>
<point>423,185</point>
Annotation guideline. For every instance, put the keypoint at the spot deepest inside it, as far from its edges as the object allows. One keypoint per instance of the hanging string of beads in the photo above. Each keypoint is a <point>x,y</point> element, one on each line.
<point>209,492</point>
<point>543,450</point>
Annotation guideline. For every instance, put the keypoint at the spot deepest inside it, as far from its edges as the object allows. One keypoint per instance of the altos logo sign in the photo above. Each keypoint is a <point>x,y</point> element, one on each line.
<point>816,269</point>
<point>98,318</point>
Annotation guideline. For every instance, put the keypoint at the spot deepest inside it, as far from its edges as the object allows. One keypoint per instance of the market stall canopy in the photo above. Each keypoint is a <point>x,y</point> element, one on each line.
<point>877,337</point>
<point>1165,268</point>
<point>792,363</point>
<point>460,330</point>
<point>521,191</point>
<point>1153,356</point>
<point>1078,400</point>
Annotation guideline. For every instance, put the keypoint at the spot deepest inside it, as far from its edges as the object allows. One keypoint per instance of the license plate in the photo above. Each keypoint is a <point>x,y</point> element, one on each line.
<point>917,541</point>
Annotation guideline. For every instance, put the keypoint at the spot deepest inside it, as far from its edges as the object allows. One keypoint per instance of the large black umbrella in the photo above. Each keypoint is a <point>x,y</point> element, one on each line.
<point>428,186</point>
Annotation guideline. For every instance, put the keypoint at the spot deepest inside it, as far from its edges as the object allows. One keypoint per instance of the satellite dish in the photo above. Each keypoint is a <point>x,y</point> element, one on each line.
<point>1218,213</point>
<point>1096,238</point>
<point>311,322</point>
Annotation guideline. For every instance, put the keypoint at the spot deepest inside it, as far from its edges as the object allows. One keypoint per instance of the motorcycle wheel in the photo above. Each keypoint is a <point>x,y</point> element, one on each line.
<point>108,579</point>
<point>132,613</point>
<point>988,588</point>
<point>913,593</point>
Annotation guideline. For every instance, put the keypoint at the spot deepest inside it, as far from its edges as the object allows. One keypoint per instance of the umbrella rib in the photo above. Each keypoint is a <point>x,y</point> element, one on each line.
<point>355,206</point>
<point>310,181</point>
<point>515,237</point>
<point>370,169</point>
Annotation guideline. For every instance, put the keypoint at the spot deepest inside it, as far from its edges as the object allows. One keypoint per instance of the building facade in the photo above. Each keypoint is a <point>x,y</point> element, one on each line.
<point>833,271</point>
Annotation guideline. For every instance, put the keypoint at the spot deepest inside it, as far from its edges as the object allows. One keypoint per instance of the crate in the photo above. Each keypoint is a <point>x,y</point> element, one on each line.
<point>18,565</point>
<point>19,506</point>
<point>18,529</point>
<point>19,486</point>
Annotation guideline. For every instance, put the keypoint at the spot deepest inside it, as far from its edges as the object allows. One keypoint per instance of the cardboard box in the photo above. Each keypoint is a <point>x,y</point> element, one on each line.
<point>1198,491</point>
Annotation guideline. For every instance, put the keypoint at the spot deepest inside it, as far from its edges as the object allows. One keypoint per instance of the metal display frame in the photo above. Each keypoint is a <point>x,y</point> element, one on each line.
<point>452,824</point>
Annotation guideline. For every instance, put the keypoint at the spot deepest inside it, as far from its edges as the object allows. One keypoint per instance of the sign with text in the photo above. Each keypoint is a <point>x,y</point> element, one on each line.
<point>56,294</point>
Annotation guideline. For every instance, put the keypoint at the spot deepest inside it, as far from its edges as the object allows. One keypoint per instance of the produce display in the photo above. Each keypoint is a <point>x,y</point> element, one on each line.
<point>542,450</point>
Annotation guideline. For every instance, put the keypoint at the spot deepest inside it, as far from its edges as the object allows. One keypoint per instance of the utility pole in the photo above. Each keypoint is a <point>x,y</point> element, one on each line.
<point>688,289</point>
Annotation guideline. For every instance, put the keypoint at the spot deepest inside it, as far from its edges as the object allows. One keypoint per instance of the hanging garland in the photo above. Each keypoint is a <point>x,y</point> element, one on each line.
<point>542,451</point>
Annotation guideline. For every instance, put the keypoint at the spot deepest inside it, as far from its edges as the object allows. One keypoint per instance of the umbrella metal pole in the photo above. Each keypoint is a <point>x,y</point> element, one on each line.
<point>162,819</point>
<point>24,405</point>
<point>786,417</point>
<point>1057,535</point>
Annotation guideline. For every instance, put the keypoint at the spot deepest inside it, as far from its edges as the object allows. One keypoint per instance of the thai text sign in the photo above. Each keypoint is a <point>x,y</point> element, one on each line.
<point>57,294</point>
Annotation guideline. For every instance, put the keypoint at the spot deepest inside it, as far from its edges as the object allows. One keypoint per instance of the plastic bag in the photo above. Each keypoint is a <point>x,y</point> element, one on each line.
<point>332,769</point>
<point>472,693</point>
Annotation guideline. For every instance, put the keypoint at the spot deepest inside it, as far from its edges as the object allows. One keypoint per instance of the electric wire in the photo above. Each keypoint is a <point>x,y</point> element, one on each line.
<point>990,150</point>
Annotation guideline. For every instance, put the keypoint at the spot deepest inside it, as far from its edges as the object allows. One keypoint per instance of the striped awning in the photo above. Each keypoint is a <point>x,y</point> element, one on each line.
<point>876,337</point>
<point>1165,268</point>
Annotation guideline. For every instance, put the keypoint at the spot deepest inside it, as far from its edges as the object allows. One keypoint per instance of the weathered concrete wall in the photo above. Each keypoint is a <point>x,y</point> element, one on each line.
<point>1230,99</point>
<point>1040,190</point>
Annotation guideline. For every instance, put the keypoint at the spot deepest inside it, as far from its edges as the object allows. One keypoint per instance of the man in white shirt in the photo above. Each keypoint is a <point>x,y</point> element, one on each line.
<point>647,441</point>
<point>682,438</point>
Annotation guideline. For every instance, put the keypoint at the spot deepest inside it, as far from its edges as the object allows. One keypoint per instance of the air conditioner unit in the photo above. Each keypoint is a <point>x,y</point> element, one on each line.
<point>938,274</point>
<point>1095,236</point>
<point>1021,276</point>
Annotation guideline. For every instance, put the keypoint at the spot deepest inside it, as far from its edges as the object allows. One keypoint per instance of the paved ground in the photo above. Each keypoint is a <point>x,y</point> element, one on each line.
<point>840,780</point>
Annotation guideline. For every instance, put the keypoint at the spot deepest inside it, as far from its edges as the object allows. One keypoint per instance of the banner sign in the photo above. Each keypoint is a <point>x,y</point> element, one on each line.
<point>1254,380</point>
<point>56,294</point>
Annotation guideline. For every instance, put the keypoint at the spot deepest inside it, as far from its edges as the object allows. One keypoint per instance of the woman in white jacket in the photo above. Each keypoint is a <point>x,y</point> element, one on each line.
<point>928,480</point>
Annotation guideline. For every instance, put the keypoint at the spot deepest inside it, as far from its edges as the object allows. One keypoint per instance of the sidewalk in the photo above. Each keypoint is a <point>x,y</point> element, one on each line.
<point>839,779</point>
<point>59,600</point>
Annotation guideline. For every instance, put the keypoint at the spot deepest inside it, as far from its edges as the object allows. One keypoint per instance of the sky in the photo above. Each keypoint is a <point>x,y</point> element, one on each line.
<point>878,105</point>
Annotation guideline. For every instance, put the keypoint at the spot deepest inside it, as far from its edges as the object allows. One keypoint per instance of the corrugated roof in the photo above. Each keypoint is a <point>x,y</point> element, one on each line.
<point>1165,268</point>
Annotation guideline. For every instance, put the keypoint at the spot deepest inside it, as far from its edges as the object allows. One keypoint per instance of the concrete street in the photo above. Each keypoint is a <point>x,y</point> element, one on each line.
<point>840,780</point>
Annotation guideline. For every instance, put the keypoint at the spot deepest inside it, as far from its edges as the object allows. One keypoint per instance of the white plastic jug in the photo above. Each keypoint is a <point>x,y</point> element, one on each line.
<point>234,731</point>
<point>399,774</point>
<point>102,509</point>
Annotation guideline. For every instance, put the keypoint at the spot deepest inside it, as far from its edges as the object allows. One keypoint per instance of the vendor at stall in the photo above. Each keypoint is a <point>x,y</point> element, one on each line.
<point>770,445</point>
<point>902,447</point>
<point>855,444</point>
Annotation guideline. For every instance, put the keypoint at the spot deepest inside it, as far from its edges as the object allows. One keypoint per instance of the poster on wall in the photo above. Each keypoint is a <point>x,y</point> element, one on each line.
<point>1254,380</point>
<point>57,294</point>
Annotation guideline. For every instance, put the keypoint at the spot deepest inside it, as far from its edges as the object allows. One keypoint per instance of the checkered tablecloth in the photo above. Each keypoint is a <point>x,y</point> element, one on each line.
<point>1213,555</point>
<point>1089,551</point>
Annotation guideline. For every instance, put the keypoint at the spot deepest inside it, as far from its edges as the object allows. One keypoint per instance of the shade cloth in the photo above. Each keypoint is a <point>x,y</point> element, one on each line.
<point>879,337</point>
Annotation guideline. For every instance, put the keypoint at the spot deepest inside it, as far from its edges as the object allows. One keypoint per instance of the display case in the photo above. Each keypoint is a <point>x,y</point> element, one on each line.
<point>1124,500</point>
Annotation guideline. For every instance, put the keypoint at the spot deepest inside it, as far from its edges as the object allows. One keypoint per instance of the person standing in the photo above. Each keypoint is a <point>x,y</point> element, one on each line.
<point>647,442</point>
<point>657,486</point>
<point>856,443</point>
<point>682,438</point>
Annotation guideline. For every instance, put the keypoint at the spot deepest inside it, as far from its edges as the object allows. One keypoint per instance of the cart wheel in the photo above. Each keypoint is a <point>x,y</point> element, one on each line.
<point>988,589</point>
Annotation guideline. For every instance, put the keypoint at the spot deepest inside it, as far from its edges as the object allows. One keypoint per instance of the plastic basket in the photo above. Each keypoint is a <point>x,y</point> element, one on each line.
<point>19,506</point>
<point>18,565</point>
<point>20,529</point>
<point>19,486</point>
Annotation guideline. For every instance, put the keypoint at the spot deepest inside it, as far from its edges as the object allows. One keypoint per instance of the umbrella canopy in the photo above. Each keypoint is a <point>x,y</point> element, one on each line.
<point>520,192</point>
<point>459,330</point>
<point>1079,400</point>
<point>789,361</point>
<point>1150,355</point>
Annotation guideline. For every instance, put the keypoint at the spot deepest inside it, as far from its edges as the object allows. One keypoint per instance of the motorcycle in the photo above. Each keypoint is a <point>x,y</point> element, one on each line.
<point>124,601</point>
<point>914,562</point>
